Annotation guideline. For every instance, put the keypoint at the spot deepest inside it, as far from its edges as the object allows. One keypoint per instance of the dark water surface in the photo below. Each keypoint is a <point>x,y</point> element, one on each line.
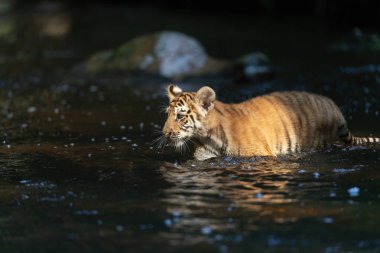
<point>79,172</point>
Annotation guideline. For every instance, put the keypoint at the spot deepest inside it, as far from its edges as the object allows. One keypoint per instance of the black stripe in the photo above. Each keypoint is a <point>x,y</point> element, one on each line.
<point>288,102</point>
<point>228,109</point>
<point>304,120</point>
<point>237,111</point>
<point>217,110</point>
<point>223,137</point>
<point>287,136</point>
<point>286,129</point>
<point>192,119</point>
<point>211,150</point>
<point>348,141</point>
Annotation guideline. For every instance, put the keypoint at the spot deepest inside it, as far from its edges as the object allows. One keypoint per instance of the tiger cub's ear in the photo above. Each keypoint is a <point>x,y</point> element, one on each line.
<point>173,91</point>
<point>205,97</point>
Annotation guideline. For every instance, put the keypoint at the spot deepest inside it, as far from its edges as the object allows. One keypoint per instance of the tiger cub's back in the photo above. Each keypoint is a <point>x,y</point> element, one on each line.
<point>296,121</point>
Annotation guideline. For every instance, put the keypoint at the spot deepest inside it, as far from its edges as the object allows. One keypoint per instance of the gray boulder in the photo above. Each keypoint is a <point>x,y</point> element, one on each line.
<point>176,56</point>
<point>170,54</point>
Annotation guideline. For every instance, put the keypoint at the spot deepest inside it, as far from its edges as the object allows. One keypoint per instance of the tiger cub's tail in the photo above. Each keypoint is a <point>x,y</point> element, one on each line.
<point>345,135</point>
<point>365,141</point>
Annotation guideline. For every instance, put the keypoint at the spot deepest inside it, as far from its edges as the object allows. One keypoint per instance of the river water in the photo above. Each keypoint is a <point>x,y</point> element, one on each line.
<point>79,171</point>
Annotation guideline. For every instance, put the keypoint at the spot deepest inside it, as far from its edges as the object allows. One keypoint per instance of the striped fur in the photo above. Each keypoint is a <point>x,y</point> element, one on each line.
<point>269,125</point>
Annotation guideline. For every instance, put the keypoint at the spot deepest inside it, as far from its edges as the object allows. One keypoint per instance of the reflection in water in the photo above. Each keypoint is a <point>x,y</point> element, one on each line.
<point>208,199</point>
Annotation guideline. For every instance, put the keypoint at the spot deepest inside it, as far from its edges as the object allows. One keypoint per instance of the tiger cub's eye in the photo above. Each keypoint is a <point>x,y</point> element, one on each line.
<point>180,116</point>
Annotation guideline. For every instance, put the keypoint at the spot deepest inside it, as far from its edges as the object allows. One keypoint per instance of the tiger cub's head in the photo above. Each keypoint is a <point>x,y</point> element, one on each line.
<point>186,113</point>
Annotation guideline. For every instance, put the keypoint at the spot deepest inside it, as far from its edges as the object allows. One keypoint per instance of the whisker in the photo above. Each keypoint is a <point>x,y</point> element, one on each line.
<point>163,108</point>
<point>157,131</point>
<point>159,143</point>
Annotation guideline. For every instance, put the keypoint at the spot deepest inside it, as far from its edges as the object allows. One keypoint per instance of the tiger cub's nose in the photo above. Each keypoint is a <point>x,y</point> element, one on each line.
<point>170,134</point>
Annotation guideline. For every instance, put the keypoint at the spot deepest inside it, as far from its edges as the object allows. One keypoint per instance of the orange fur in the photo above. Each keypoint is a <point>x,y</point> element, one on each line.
<point>269,125</point>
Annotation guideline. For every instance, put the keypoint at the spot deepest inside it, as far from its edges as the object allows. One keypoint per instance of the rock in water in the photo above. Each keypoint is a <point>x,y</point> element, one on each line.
<point>179,54</point>
<point>168,53</point>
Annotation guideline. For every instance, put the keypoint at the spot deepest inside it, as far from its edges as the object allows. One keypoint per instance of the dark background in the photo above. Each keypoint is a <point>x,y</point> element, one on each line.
<point>336,14</point>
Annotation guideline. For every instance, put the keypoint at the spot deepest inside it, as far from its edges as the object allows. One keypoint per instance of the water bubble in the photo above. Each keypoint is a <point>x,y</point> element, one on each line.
<point>24,125</point>
<point>87,212</point>
<point>328,220</point>
<point>89,155</point>
<point>354,191</point>
<point>302,171</point>
<point>119,228</point>
<point>206,230</point>
<point>52,199</point>
<point>141,126</point>
<point>168,222</point>
<point>123,127</point>
<point>38,184</point>
<point>230,208</point>
<point>31,109</point>
<point>56,110</point>
<point>316,175</point>
<point>343,170</point>
<point>24,197</point>
<point>134,145</point>
<point>103,123</point>
<point>259,195</point>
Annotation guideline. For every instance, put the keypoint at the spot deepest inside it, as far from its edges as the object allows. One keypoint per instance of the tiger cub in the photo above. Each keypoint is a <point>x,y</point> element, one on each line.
<point>269,125</point>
